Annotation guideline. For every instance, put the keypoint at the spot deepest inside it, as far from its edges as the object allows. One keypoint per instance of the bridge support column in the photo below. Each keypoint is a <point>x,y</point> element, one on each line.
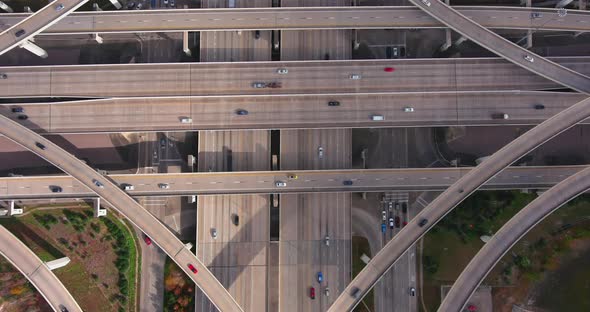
<point>448,42</point>
<point>15,211</point>
<point>460,40</point>
<point>98,38</point>
<point>563,3</point>
<point>95,7</point>
<point>28,9</point>
<point>185,47</point>
<point>57,263</point>
<point>98,212</point>
<point>116,4</point>
<point>5,7</point>
<point>33,48</point>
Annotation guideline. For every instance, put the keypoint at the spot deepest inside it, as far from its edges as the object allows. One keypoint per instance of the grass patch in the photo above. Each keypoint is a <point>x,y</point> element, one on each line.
<point>360,246</point>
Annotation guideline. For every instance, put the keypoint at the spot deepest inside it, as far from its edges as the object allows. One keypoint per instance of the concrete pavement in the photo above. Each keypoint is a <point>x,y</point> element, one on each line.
<point>35,270</point>
<point>454,195</point>
<point>509,234</point>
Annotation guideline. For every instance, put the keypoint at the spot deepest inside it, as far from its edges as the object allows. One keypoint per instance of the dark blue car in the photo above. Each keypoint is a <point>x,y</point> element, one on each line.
<point>383,227</point>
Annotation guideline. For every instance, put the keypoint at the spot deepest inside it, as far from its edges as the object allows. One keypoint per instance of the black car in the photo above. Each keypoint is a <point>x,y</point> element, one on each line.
<point>55,189</point>
<point>347,182</point>
<point>333,103</point>
<point>327,56</point>
<point>20,32</point>
<point>23,117</point>
<point>17,109</point>
<point>257,34</point>
<point>39,145</point>
<point>241,112</point>
<point>3,76</point>
<point>539,106</point>
<point>423,222</point>
<point>235,219</point>
<point>405,207</point>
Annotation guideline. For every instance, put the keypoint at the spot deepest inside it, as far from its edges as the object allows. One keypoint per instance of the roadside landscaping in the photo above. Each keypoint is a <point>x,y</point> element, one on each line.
<point>179,289</point>
<point>16,293</point>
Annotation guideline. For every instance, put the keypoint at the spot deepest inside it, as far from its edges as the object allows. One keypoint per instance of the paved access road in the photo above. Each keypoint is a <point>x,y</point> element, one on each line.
<point>35,270</point>
<point>362,17</point>
<point>37,22</point>
<point>133,211</point>
<point>468,108</point>
<point>504,48</point>
<point>192,79</point>
<point>512,231</point>
<point>454,195</point>
<point>261,182</point>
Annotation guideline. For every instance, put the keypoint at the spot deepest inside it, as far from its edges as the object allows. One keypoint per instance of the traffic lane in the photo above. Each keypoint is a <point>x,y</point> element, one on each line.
<point>509,234</point>
<point>122,202</point>
<point>292,111</point>
<point>264,182</point>
<point>301,18</point>
<point>502,47</point>
<point>29,264</point>
<point>36,23</point>
<point>457,192</point>
<point>88,81</point>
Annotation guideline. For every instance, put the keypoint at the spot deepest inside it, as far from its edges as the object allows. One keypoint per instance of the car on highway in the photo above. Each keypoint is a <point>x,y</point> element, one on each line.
<point>355,76</point>
<point>408,109</point>
<point>333,103</point>
<point>320,152</point>
<point>377,118</point>
<point>425,2</point>
<point>539,106</point>
<point>390,206</point>
<point>383,228</point>
<point>257,34</point>
<point>500,116</point>
<point>397,206</point>
<point>39,145</point>
<point>320,277</point>
<point>282,71</point>
<point>20,32</point>
<point>258,85</point>
<point>97,183</point>
<point>186,120</point>
<point>22,117</point>
<point>55,189</point>
<point>192,268</point>
<point>397,221</point>
<point>404,223</point>
<point>535,15</point>
<point>391,225</point>
<point>128,187</point>
<point>130,5</point>
<point>405,207</point>
<point>3,76</point>
<point>312,292</point>
<point>389,69</point>
<point>422,222</point>
<point>162,142</point>
<point>327,292</point>
<point>384,215</point>
<point>355,292</point>
<point>166,2</point>
<point>412,291</point>
<point>17,109</point>
<point>59,7</point>
<point>293,177</point>
<point>529,58</point>
<point>147,240</point>
<point>280,184</point>
<point>241,112</point>
<point>214,233</point>
<point>347,182</point>
<point>235,219</point>
<point>139,6</point>
<point>327,240</point>
<point>62,308</point>
<point>164,186</point>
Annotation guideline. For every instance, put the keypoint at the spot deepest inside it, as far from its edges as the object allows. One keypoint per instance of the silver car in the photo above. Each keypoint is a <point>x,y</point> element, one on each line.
<point>282,71</point>
<point>280,184</point>
<point>259,85</point>
<point>320,152</point>
<point>355,76</point>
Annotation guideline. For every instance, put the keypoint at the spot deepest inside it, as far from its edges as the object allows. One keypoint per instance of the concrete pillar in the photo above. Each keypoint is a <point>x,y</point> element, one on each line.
<point>563,3</point>
<point>5,7</point>
<point>460,40</point>
<point>185,47</point>
<point>33,48</point>
<point>57,263</point>
<point>98,38</point>
<point>15,211</point>
<point>448,42</point>
<point>28,9</point>
<point>98,212</point>
<point>95,7</point>
<point>116,4</point>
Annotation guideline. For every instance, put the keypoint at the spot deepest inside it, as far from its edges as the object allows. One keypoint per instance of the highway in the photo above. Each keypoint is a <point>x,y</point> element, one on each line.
<point>453,195</point>
<point>35,270</point>
<point>463,108</point>
<point>363,17</point>
<point>510,233</point>
<point>263,182</point>
<point>504,48</point>
<point>304,77</point>
<point>126,205</point>
<point>36,23</point>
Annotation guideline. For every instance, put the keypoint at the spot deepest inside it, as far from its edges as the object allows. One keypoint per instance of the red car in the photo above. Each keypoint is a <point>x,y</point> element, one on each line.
<point>147,240</point>
<point>192,268</point>
<point>312,293</point>
<point>405,223</point>
<point>389,69</point>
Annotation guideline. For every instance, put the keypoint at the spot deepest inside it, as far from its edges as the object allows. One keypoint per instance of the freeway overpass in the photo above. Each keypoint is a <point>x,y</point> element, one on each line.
<point>37,272</point>
<point>465,108</point>
<point>362,17</point>
<point>304,77</point>
<point>261,182</point>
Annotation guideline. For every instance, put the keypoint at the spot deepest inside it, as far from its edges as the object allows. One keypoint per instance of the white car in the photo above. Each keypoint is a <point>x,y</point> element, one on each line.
<point>426,2</point>
<point>280,184</point>
<point>408,109</point>
<point>258,85</point>
<point>59,7</point>
<point>282,71</point>
<point>186,120</point>
<point>529,58</point>
<point>355,76</point>
<point>97,183</point>
<point>128,187</point>
<point>320,152</point>
<point>384,214</point>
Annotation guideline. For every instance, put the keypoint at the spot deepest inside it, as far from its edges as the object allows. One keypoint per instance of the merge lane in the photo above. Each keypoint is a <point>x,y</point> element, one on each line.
<point>302,18</point>
<point>127,206</point>
<point>510,233</point>
<point>33,268</point>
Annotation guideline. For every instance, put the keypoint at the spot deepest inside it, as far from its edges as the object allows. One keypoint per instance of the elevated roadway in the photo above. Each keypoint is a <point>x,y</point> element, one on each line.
<point>33,268</point>
<point>504,48</point>
<point>126,205</point>
<point>36,23</point>
<point>510,233</point>
<point>261,182</point>
<point>463,108</point>
<point>383,17</point>
<point>305,77</point>
<point>454,195</point>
